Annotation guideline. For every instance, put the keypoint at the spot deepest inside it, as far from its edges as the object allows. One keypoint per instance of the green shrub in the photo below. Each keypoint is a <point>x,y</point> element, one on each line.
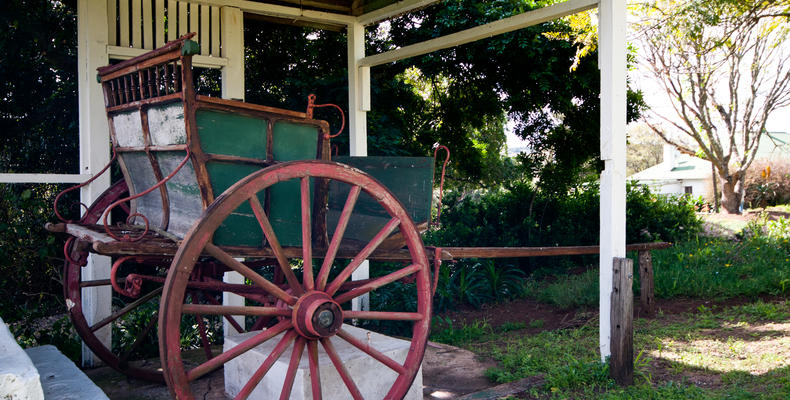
<point>767,184</point>
<point>56,330</point>
<point>521,216</point>
<point>30,257</point>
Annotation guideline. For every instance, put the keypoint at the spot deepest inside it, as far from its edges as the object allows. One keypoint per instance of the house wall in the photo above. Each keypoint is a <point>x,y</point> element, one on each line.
<point>699,187</point>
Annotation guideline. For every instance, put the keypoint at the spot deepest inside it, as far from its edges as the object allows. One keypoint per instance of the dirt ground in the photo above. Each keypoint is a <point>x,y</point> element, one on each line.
<point>728,225</point>
<point>448,372</point>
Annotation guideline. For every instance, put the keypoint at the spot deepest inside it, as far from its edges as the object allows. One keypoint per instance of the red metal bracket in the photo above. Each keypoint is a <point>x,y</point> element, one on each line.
<point>57,198</point>
<point>311,106</point>
<point>436,147</point>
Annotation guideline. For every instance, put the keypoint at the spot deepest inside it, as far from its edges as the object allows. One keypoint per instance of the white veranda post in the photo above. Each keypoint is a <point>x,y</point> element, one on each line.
<point>92,37</point>
<point>612,62</point>
<point>232,81</point>
<point>358,105</point>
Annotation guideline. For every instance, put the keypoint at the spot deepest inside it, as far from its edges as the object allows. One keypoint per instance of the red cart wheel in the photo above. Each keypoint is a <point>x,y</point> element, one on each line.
<point>135,316</point>
<point>72,289</point>
<point>311,309</point>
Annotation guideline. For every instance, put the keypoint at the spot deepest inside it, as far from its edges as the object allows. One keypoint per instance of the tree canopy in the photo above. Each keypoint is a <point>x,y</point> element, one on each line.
<point>462,96</point>
<point>38,76</point>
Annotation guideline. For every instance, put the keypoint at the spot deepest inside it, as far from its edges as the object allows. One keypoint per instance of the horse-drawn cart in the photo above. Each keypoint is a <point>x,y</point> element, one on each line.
<point>211,186</point>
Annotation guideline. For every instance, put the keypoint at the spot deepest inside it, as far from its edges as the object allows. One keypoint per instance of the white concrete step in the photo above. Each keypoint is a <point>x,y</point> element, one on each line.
<point>60,378</point>
<point>19,379</point>
<point>41,373</point>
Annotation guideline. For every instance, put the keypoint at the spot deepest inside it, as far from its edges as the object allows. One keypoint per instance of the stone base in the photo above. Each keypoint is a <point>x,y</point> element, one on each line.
<point>373,378</point>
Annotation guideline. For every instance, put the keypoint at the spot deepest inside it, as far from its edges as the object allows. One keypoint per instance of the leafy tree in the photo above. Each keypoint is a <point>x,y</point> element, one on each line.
<point>537,76</point>
<point>460,97</point>
<point>38,82</point>
<point>725,68</point>
<point>644,149</point>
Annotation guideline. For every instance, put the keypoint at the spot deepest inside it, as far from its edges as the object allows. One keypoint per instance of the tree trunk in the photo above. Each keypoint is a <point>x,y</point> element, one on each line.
<point>731,193</point>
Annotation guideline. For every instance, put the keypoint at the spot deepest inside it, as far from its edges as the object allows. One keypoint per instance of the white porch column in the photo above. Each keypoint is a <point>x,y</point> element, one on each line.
<point>612,62</point>
<point>232,40</point>
<point>94,152</point>
<point>232,82</point>
<point>358,105</point>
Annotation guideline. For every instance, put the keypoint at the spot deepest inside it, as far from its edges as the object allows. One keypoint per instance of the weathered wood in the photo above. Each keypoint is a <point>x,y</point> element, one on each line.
<point>621,362</point>
<point>157,245</point>
<point>513,252</point>
<point>646,284</point>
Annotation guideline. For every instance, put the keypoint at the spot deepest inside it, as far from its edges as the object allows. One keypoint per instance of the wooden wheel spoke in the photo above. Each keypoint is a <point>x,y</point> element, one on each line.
<point>248,273</point>
<point>204,337</point>
<point>363,255</point>
<point>237,350</point>
<point>337,237</point>
<point>209,309</point>
<point>377,283</point>
<point>379,356</point>
<point>274,243</point>
<point>315,375</point>
<point>307,236</point>
<point>131,306</point>
<point>139,339</point>
<point>267,364</point>
<point>296,356</point>
<point>341,369</point>
<point>383,315</point>
<point>232,321</point>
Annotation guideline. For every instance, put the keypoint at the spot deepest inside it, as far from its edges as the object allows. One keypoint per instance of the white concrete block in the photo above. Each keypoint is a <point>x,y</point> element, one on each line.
<point>60,378</point>
<point>19,379</point>
<point>372,378</point>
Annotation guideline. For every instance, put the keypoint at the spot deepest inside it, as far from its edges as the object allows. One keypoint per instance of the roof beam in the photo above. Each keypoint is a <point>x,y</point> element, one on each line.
<point>509,24</point>
<point>285,12</point>
<point>392,10</point>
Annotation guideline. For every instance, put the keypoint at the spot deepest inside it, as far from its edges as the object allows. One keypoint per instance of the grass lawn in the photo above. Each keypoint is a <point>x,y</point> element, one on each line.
<point>733,343</point>
<point>735,352</point>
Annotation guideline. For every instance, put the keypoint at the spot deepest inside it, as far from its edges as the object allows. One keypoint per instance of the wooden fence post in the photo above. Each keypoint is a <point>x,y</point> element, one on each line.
<point>621,362</point>
<point>646,285</point>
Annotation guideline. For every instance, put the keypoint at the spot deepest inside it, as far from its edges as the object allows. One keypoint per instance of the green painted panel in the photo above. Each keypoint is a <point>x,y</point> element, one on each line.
<point>291,142</point>
<point>294,141</point>
<point>231,134</point>
<point>408,178</point>
<point>240,228</point>
<point>286,211</point>
<point>225,133</point>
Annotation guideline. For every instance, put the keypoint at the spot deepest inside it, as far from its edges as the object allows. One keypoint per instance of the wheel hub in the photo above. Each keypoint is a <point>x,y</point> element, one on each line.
<point>316,315</point>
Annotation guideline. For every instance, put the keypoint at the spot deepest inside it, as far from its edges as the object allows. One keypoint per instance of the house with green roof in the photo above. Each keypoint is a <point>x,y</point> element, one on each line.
<point>684,174</point>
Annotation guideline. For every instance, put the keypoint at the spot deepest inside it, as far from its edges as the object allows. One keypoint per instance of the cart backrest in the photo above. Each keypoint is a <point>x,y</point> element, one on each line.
<point>410,179</point>
<point>157,122</point>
